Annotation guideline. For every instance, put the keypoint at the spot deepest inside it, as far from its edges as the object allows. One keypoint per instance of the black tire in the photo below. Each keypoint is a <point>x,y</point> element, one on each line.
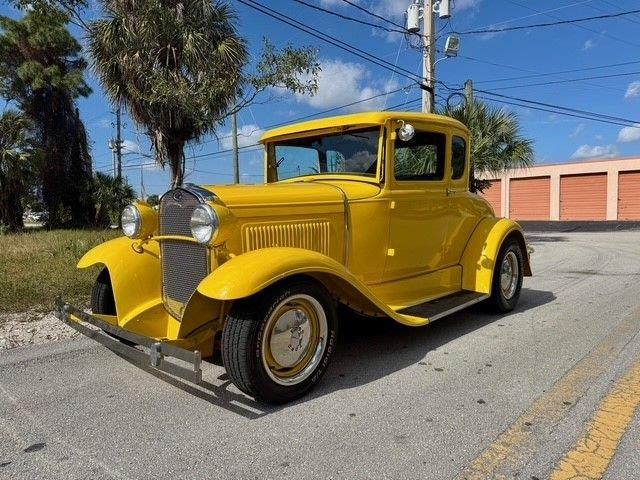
<point>102,300</point>
<point>242,338</point>
<point>498,301</point>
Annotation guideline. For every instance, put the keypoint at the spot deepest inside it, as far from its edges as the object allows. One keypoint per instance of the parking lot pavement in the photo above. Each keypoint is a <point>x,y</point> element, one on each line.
<point>543,392</point>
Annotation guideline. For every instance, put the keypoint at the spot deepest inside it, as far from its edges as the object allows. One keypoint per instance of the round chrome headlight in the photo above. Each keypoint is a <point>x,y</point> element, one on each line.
<point>131,221</point>
<point>204,224</point>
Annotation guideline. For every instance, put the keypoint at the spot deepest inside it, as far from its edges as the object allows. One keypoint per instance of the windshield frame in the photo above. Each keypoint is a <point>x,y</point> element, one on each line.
<point>271,167</point>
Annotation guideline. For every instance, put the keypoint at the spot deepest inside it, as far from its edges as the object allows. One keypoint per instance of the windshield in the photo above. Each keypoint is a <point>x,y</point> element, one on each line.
<point>354,153</point>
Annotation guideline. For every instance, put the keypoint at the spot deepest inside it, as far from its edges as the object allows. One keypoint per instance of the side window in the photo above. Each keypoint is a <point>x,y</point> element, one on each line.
<point>421,158</point>
<point>458,157</point>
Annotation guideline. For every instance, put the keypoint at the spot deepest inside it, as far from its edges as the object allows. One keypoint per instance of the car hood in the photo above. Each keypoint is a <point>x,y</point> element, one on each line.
<point>316,192</point>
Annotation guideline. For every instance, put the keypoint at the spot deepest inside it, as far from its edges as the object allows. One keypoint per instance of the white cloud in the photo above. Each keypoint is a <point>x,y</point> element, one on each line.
<point>129,146</point>
<point>633,90</point>
<point>599,137</point>
<point>629,134</point>
<point>596,151</point>
<point>248,134</point>
<point>577,131</point>
<point>340,83</point>
<point>461,5</point>
<point>588,45</point>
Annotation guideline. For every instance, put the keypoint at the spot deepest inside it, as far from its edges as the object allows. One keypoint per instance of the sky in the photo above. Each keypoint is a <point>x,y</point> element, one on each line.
<point>489,59</point>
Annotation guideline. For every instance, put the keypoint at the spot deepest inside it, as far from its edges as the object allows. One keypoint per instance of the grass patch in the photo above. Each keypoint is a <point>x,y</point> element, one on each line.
<point>35,266</point>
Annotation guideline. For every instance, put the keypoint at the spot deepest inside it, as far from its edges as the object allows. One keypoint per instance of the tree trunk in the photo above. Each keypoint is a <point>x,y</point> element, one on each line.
<point>10,206</point>
<point>175,149</point>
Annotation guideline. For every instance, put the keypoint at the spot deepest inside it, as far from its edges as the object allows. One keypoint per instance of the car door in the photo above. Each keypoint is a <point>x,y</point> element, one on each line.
<point>464,210</point>
<point>418,204</point>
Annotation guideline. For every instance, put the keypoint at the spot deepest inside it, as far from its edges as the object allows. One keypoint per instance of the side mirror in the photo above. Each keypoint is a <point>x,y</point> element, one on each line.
<point>406,132</point>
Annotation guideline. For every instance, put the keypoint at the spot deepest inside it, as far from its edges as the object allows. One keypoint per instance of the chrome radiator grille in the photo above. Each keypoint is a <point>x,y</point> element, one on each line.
<point>184,264</point>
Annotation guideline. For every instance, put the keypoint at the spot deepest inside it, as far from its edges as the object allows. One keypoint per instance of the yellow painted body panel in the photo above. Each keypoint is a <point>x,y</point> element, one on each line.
<point>378,245</point>
<point>478,259</point>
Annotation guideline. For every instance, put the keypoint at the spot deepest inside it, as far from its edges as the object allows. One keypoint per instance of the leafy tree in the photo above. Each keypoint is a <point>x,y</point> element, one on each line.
<point>110,192</point>
<point>496,141</point>
<point>153,200</point>
<point>16,155</point>
<point>42,72</point>
<point>179,67</point>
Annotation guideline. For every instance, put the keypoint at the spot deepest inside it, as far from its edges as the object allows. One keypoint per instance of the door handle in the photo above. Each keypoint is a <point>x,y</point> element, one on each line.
<point>449,192</point>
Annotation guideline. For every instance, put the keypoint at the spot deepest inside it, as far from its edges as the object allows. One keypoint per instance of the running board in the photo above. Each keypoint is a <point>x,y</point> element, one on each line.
<point>444,306</point>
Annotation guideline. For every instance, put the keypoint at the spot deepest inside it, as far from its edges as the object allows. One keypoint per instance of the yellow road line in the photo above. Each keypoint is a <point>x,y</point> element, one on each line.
<point>522,439</point>
<point>590,456</point>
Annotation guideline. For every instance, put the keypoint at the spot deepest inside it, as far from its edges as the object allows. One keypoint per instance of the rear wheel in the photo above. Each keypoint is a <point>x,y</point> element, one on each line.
<point>507,277</point>
<point>277,345</point>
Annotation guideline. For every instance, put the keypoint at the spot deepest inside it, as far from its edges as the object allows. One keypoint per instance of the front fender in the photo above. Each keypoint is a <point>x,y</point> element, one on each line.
<point>252,272</point>
<point>249,273</point>
<point>479,257</point>
<point>135,277</point>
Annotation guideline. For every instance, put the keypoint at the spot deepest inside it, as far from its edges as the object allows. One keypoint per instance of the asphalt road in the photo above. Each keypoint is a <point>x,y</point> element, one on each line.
<point>529,395</point>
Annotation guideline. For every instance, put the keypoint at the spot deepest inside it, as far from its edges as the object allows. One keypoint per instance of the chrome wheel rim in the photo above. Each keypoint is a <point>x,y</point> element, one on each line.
<point>294,339</point>
<point>509,273</point>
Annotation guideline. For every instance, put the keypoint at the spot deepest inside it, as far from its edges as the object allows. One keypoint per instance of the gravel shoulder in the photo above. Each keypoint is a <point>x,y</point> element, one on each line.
<point>32,328</point>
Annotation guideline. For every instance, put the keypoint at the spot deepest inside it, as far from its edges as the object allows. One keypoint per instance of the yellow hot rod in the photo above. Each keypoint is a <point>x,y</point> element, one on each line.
<point>371,211</point>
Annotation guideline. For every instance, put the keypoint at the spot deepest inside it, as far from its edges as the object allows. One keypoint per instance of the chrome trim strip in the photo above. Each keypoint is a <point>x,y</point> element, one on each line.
<point>202,194</point>
<point>459,307</point>
<point>347,229</point>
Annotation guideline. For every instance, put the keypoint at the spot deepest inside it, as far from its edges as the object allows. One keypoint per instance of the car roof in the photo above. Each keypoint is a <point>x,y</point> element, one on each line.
<point>359,119</point>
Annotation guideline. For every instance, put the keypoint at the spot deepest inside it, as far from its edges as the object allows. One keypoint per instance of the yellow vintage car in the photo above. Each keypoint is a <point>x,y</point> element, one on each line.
<point>370,211</point>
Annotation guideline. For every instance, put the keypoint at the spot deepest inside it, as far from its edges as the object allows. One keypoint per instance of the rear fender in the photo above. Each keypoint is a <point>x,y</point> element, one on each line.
<point>479,257</point>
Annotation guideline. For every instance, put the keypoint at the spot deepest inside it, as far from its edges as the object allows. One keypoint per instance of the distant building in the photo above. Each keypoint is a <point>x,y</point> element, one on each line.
<point>588,190</point>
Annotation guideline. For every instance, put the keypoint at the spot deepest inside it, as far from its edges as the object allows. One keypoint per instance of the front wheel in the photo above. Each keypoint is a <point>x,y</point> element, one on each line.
<point>507,277</point>
<point>277,345</point>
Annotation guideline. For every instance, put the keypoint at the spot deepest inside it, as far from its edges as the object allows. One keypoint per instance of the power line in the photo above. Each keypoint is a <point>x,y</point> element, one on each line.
<point>548,24</point>
<point>323,112</point>
<point>575,70</point>
<point>375,15</point>
<point>493,25</point>
<point>252,147</point>
<point>613,119</point>
<point>558,112</point>
<point>330,39</point>
<point>568,80</point>
<point>402,30</point>
<point>519,69</point>
<point>577,25</point>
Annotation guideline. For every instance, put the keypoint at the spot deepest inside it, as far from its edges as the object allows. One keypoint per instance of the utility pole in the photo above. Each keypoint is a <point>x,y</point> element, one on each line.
<point>427,15</point>
<point>428,57</point>
<point>468,91</point>
<point>118,144</point>
<point>234,140</point>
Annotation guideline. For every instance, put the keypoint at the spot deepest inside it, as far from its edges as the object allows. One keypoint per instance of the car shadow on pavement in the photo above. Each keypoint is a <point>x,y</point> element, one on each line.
<point>368,349</point>
<point>371,348</point>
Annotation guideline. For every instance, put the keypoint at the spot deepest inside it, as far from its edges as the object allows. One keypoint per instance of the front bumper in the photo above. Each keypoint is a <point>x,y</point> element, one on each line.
<point>154,358</point>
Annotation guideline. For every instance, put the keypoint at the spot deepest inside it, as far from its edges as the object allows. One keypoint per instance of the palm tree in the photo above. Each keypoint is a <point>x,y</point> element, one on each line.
<point>109,193</point>
<point>178,67</point>
<point>496,141</point>
<point>15,167</point>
